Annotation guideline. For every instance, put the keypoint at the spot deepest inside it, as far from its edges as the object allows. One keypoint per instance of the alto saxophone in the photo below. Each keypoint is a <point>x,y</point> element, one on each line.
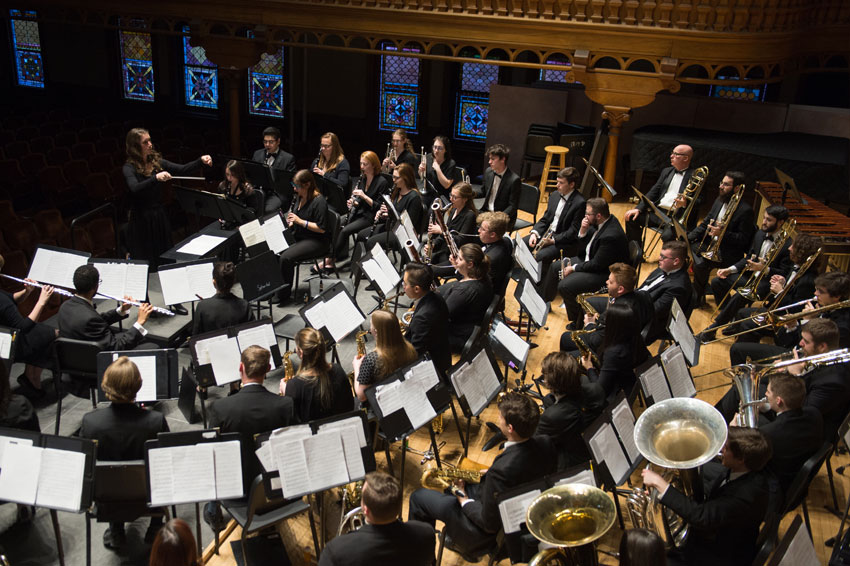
<point>440,479</point>
<point>360,340</point>
<point>576,335</point>
<point>288,369</point>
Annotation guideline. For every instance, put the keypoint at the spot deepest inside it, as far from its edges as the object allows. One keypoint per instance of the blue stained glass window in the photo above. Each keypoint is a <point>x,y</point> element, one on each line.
<point>137,65</point>
<point>200,76</point>
<point>554,75</point>
<point>399,96</point>
<point>26,45</point>
<point>473,100</point>
<point>265,86</point>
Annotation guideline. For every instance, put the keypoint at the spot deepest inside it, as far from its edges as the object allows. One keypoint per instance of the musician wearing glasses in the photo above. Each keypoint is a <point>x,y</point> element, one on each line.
<point>459,219</point>
<point>663,193</point>
<point>276,159</point>
<point>667,283</point>
<point>728,240</point>
<point>331,162</point>
<point>501,185</point>
<point>724,527</point>
<point>439,170</point>
<point>402,152</point>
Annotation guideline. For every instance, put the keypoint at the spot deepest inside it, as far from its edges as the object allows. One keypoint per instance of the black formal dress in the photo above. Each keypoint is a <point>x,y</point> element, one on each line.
<point>634,228</point>
<point>507,193</point>
<point>280,161</point>
<point>564,419</point>
<point>429,330</point>
<point>663,288</point>
<point>362,215</point>
<point>458,222</point>
<point>410,158</point>
<point>308,244</point>
<point>34,340</point>
<point>794,435</point>
<point>382,234</point>
<point>253,410</point>
<point>467,302</point>
<point>433,184</point>
<point>305,395</point>
<point>220,311</point>
<point>411,543</point>
<point>617,371</point>
<point>79,320</point>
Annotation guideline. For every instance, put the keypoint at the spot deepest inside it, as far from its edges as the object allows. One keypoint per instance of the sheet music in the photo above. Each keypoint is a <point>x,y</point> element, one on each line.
<point>682,334</point>
<point>185,284</point>
<point>800,551</point>
<point>290,459</point>
<point>605,448</point>
<point>375,273</point>
<point>203,347</point>
<point>6,440</point>
<point>624,423</point>
<point>326,467</point>
<point>265,456</point>
<point>193,473</point>
<point>380,256</point>
<point>585,477</point>
<point>228,469</point>
<point>56,267</point>
<point>19,477</point>
<point>654,383</point>
<point>476,382</point>
<point>677,372</point>
<point>423,373</point>
<point>201,245</point>
<point>391,207</point>
<point>346,316</point>
<point>252,233</point>
<point>534,303</point>
<point>511,340</point>
<point>513,509</point>
<point>316,315</point>
<point>147,367</point>
<point>416,404</point>
<point>60,479</point>
<point>273,229</point>
<point>262,336</point>
<point>526,259</point>
<point>409,228</point>
<point>225,358</point>
<point>401,235</point>
<point>122,279</point>
<point>200,281</point>
<point>389,397</point>
<point>5,345</point>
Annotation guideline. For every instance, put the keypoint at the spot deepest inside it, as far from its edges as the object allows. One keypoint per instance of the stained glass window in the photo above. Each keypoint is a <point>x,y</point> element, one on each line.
<point>265,86</point>
<point>137,65</point>
<point>554,75</point>
<point>399,98</point>
<point>755,94</point>
<point>473,100</point>
<point>200,76</point>
<point>26,45</point>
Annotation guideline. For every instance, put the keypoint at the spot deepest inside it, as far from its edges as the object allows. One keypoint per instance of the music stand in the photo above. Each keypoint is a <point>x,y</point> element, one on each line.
<point>664,220</point>
<point>200,203</point>
<point>682,333</point>
<point>600,181</point>
<point>257,332</point>
<point>165,368</point>
<point>475,391</point>
<point>509,347</point>
<point>260,279</point>
<point>788,185</point>
<point>7,345</point>
<point>653,381</point>
<point>335,314</point>
<point>795,548</point>
<point>600,143</point>
<point>532,303</point>
<point>682,235</point>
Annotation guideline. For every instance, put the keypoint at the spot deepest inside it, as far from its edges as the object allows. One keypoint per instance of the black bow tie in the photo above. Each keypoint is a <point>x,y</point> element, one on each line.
<point>499,175</point>
<point>272,155</point>
<point>769,238</point>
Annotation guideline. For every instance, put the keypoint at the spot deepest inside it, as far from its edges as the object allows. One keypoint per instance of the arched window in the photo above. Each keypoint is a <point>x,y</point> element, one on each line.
<point>473,100</point>
<point>399,96</point>
<point>137,64</point>
<point>265,86</point>
<point>26,46</point>
<point>200,76</point>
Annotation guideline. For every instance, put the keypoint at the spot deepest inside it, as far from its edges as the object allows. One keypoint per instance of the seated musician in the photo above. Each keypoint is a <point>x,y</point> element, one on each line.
<point>16,411</point>
<point>34,338</point>
<point>467,299</point>
<point>668,282</point>
<point>501,185</point>
<point>571,405</point>
<point>795,289</point>
<point>560,224</point>
<point>754,262</point>
<point>736,237</point>
<point>275,158</point>
<point>724,527</point>
<point>392,351</point>
<point>318,389</point>
<point>601,243</point>
<point>404,197</point>
<point>471,517</point>
<point>308,222</point>
<point>237,187</point>
<point>460,218</point>
<point>642,547</point>
<point>621,351</point>
<point>439,170</point>
<point>663,193</point>
<point>223,309</point>
<point>385,540</point>
<point>428,330</point>
<point>402,152</point>
<point>331,163</point>
<point>78,319</point>
<point>121,430</point>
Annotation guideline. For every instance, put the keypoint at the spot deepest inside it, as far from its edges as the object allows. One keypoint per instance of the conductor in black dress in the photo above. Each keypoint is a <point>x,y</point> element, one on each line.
<point>501,185</point>
<point>429,327</point>
<point>385,540</point>
<point>275,159</point>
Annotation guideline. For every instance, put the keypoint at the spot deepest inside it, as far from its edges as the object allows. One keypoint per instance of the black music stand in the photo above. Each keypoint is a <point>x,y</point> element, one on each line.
<point>334,193</point>
<point>204,371</point>
<point>600,143</point>
<point>526,285</point>
<point>512,354</point>
<point>212,229</point>
<point>166,371</point>
<point>12,333</point>
<point>653,381</point>
<point>468,411</point>
<point>328,295</point>
<point>260,279</point>
<point>600,181</point>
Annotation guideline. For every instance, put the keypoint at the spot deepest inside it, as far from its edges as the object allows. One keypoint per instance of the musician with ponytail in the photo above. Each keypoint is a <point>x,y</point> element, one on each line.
<point>468,298</point>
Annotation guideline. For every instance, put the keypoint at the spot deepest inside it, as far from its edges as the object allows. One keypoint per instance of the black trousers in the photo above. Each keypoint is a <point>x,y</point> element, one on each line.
<point>301,250</point>
<point>351,229</point>
<point>634,228</point>
<point>570,287</point>
<point>429,506</point>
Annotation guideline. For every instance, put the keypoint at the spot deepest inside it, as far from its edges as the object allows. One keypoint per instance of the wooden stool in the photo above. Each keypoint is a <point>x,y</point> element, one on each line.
<point>560,153</point>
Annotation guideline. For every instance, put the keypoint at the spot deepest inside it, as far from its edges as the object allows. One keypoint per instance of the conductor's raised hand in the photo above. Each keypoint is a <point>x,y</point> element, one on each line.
<point>206,160</point>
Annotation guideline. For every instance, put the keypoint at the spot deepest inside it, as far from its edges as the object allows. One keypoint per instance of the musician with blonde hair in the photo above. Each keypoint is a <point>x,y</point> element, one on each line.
<point>392,351</point>
<point>319,389</point>
<point>331,162</point>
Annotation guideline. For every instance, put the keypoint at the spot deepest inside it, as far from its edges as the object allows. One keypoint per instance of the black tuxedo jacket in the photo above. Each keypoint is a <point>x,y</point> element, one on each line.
<point>660,187</point>
<point>80,321</point>
<point>253,410</point>
<point>220,311</point>
<point>738,235</point>
<point>781,265</point>
<point>507,199</point>
<point>677,286</point>
<point>569,222</point>
<point>609,246</point>
<point>501,258</point>
<point>564,420</point>
<point>795,435</point>
<point>828,391</point>
<point>121,430</point>
<point>411,543</point>
<point>284,161</point>
<point>802,287</point>
<point>429,330</point>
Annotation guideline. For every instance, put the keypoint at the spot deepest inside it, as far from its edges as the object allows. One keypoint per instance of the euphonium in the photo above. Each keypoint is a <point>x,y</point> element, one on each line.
<point>746,382</point>
<point>750,288</point>
<point>691,193</point>
<point>712,251</point>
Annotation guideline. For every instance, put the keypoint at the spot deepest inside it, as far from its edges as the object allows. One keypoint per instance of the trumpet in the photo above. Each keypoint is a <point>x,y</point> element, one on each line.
<point>390,154</point>
<point>539,245</point>
<point>712,249</point>
<point>561,271</point>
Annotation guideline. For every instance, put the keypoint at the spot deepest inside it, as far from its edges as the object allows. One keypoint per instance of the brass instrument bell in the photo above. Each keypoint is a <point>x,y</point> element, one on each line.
<point>570,515</point>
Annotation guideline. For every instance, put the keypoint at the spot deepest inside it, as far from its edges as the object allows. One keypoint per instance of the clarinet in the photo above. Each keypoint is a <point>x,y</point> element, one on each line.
<point>355,202</point>
<point>291,209</point>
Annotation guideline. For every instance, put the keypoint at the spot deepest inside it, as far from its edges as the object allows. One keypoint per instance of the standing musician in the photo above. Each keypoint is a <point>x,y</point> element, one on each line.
<point>663,193</point>
<point>736,237</point>
<point>237,187</point>
<point>404,197</point>
<point>570,406</point>
<point>724,527</point>
<point>308,220</point>
<point>501,185</point>
<point>668,282</point>
<point>364,203</point>
<point>601,243</point>
<point>402,148</point>
<point>472,518</point>
<point>460,218</point>
<point>331,163</point>
<point>439,170</point>
<point>428,330</point>
<point>318,389</point>
<point>392,351</point>
<point>274,158</point>
<point>467,299</point>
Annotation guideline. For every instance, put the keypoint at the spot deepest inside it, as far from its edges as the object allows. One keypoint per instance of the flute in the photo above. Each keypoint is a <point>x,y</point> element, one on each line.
<point>160,310</point>
<point>57,290</point>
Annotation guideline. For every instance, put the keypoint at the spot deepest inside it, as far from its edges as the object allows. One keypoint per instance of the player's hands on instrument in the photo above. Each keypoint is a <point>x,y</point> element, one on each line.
<point>357,193</point>
<point>809,308</point>
<point>355,363</point>
<point>590,319</point>
<point>532,240</point>
<point>282,387</point>
<point>206,160</point>
<point>547,242</point>
<point>777,283</point>
<point>795,369</point>
<point>28,288</point>
<point>163,176</point>
<point>631,214</point>
<point>653,479</point>
<point>568,269</point>
<point>713,230</point>
<point>318,171</point>
<point>724,273</point>
<point>389,163</point>
<point>421,169</point>
<point>586,362</point>
<point>434,229</point>
<point>125,306</point>
<point>145,310</point>
<point>45,294</point>
<point>757,264</point>
<point>291,217</point>
<point>678,202</point>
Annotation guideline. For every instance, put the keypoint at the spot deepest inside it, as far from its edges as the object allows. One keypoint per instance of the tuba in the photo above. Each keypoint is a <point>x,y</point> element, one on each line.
<point>750,289</point>
<point>712,249</point>
<point>691,194</point>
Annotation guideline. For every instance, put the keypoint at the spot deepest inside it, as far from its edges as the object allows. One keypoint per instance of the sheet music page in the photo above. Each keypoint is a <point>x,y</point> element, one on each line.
<point>175,286</point>
<point>526,259</point>
<point>193,473</point>
<point>326,460</point>
<point>200,281</point>
<point>147,367</point>
<point>416,404</point>
<point>469,388</point>
<point>203,347</point>
<point>19,477</point>
<point>290,459</point>
<point>252,233</point>
<point>511,340</point>
<point>265,456</point>
<point>391,208</point>
<point>136,281</point>
<point>389,397</point>
<point>228,469</point>
<point>258,336</point>
<point>655,384</point>
<point>347,430</point>
<point>682,334</point>
<point>5,345</point>
<point>6,440</point>
<point>112,276</point>
<point>534,303</point>
<point>159,476</point>
<point>273,230</point>
<point>585,477</point>
<point>800,552</point>
<point>677,372</point>
<point>379,255</point>
<point>60,480</point>
<point>55,267</point>
<point>346,317</point>
<point>375,273</point>
<point>513,509</point>
<point>401,235</point>
<point>412,234</point>
<point>316,315</point>
<point>423,373</point>
<point>485,373</point>
<point>624,423</point>
<point>606,449</point>
<point>201,245</point>
<point>225,358</point>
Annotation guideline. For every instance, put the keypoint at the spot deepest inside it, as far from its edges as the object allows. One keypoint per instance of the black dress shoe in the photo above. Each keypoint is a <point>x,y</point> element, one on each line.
<point>179,309</point>
<point>28,390</point>
<point>113,540</point>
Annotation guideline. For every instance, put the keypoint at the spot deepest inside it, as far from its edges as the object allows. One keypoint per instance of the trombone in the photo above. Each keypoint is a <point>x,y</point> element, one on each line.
<point>750,289</point>
<point>803,268</point>
<point>712,250</point>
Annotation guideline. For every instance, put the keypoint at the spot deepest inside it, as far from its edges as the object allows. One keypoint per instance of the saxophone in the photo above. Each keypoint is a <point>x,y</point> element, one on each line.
<point>288,369</point>
<point>440,479</point>
<point>360,340</point>
<point>712,250</point>
<point>576,335</point>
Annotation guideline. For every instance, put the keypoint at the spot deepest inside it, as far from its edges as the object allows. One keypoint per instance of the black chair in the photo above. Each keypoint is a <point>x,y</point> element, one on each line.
<point>635,254</point>
<point>529,199</point>
<point>799,489</point>
<point>768,534</point>
<point>78,359</point>
<point>334,224</point>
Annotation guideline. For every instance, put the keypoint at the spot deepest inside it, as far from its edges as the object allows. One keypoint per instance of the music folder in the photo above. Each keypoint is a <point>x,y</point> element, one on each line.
<point>7,345</point>
<point>334,313</point>
<point>56,266</point>
<point>259,276</point>
<point>677,371</point>
<point>216,355</point>
<point>477,381</point>
<point>525,258</point>
<point>380,270</point>
<point>159,370</point>
<point>527,296</point>
<point>608,450</point>
<point>507,344</point>
<point>267,233</point>
<point>653,381</point>
<point>187,281</point>
<point>796,548</point>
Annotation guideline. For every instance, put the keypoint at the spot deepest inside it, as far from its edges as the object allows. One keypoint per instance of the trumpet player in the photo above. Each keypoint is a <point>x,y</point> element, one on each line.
<point>401,152</point>
<point>439,169</point>
<point>737,235</point>
<point>725,526</point>
<point>428,330</point>
<point>471,515</point>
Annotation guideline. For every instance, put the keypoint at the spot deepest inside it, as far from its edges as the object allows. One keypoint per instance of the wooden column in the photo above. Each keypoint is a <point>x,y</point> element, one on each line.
<point>234,78</point>
<point>615,115</point>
